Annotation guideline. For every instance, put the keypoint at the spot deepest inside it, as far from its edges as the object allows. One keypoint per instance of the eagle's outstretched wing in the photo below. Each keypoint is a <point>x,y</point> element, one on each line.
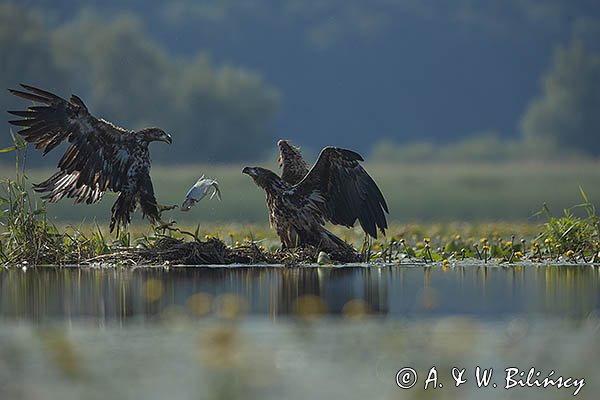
<point>344,191</point>
<point>90,158</point>
<point>100,155</point>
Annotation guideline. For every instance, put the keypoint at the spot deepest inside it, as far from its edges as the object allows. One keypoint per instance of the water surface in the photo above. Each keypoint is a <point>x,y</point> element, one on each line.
<point>45,293</point>
<point>294,333</point>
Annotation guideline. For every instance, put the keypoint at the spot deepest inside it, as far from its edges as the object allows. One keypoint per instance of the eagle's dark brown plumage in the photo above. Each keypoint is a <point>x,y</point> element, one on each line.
<point>293,167</point>
<point>336,189</point>
<point>100,155</point>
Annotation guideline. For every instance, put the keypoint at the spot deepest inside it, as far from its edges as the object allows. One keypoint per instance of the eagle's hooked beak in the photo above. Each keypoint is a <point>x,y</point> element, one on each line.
<point>167,138</point>
<point>248,171</point>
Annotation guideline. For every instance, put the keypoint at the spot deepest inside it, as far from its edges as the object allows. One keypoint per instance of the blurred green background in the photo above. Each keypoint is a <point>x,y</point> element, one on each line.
<point>419,192</point>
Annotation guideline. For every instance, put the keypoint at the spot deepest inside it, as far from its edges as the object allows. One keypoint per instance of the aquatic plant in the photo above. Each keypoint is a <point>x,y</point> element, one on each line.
<point>573,237</point>
<point>576,237</point>
<point>27,237</point>
<point>26,232</point>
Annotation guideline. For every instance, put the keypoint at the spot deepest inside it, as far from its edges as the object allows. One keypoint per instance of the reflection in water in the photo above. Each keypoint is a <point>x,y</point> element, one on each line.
<point>44,293</point>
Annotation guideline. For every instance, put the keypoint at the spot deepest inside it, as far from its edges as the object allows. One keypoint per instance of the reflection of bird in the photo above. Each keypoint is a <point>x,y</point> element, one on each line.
<point>199,191</point>
<point>100,156</point>
<point>336,189</point>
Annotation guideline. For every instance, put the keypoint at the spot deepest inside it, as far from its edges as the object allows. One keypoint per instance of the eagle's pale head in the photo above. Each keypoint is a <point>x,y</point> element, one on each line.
<point>155,135</point>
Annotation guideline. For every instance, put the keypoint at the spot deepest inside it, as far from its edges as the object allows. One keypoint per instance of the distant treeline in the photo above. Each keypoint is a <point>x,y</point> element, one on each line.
<point>562,121</point>
<point>214,113</point>
<point>353,73</point>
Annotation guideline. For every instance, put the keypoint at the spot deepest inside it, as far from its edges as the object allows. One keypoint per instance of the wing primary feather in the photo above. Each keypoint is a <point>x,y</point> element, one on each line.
<point>29,96</point>
<point>40,92</point>
<point>25,114</point>
<point>21,122</point>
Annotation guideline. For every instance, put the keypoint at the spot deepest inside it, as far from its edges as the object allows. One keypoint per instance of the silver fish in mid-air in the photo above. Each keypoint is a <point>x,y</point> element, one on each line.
<point>200,189</point>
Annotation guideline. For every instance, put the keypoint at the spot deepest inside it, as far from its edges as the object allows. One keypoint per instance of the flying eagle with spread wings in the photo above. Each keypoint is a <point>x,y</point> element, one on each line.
<point>100,156</point>
<point>336,189</point>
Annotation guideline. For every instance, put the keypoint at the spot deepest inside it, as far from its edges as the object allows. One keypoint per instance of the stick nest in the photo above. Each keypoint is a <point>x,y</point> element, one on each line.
<point>169,250</point>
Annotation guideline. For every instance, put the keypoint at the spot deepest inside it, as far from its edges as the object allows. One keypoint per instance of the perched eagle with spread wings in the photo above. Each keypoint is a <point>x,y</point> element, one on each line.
<point>336,189</point>
<point>100,155</point>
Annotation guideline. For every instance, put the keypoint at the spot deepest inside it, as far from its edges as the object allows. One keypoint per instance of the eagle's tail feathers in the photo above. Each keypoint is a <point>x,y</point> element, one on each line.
<point>121,211</point>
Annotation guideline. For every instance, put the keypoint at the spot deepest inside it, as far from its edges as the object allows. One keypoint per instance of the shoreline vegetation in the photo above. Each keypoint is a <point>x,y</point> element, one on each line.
<point>28,238</point>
